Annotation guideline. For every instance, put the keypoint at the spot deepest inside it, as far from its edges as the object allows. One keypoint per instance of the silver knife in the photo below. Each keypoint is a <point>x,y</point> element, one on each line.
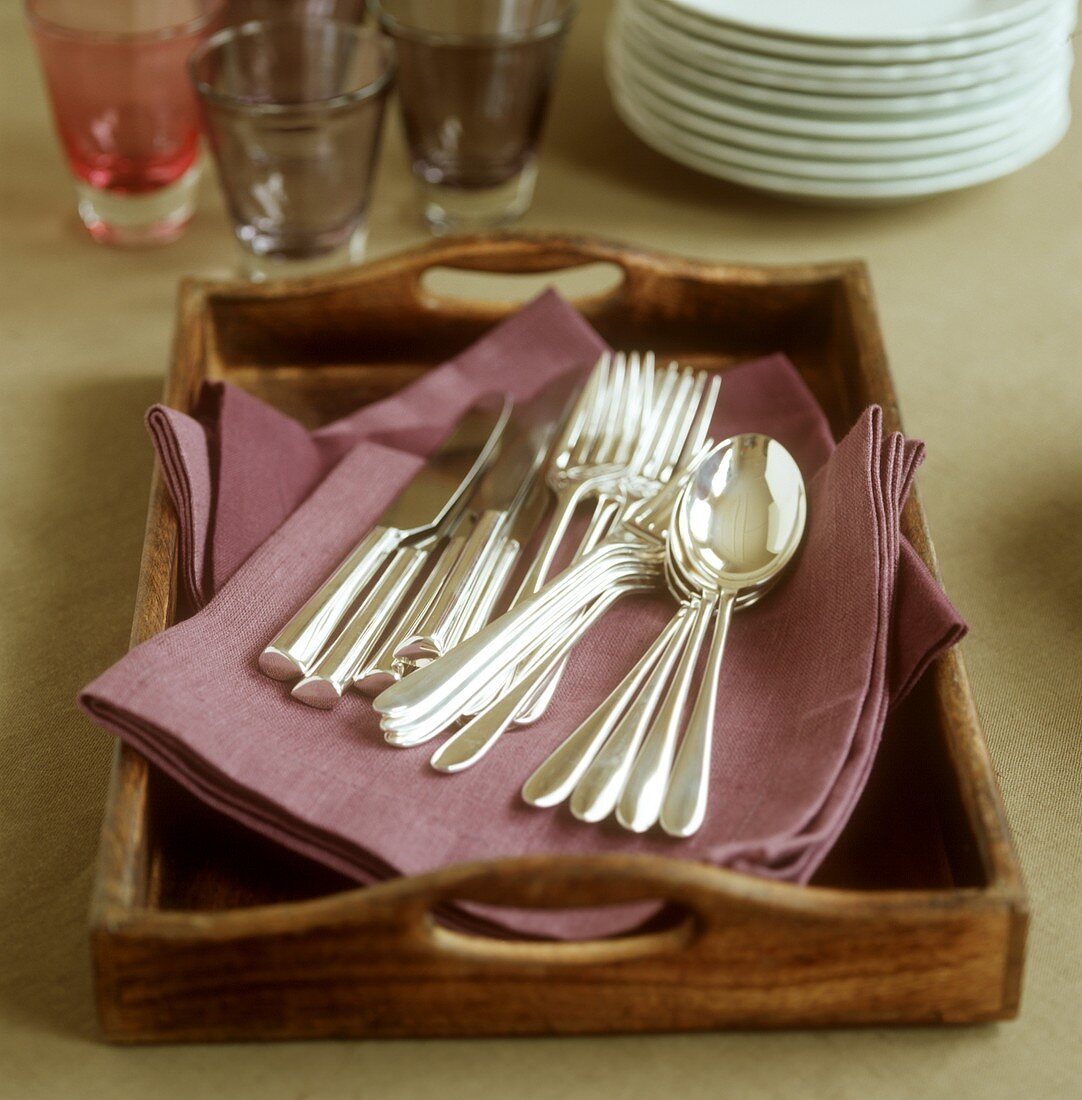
<point>435,494</point>
<point>499,500</point>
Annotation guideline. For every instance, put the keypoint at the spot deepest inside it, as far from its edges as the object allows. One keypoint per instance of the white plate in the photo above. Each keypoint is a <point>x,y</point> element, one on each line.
<point>849,106</point>
<point>873,21</point>
<point>858,149</point>
<point>850,80</point>
<point>698,135</point>
<point>624,73</point>
<point>709,34</point>
<point>851,69</point>
<point>841,191</point>
<point>813,125</point>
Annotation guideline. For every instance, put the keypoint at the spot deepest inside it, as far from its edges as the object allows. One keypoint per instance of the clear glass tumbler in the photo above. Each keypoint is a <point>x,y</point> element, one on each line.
<point>473,83</point>
<point>293,110</point>
<point>124,111</point>
<point>341,11</point>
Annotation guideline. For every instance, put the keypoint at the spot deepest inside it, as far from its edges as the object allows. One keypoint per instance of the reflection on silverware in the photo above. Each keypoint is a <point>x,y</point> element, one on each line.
<point>430,501</point>
<point>427,703</point>
<point>736,526</point>
<point>736,530</point>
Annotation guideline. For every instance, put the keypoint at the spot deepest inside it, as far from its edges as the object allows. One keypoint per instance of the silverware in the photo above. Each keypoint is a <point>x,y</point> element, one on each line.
<point>429,503</point>
<point>732,540</point>
<point>675,430</point>
<point>596,794</point>
<point>423,705</point>
<point>498,501</point>
<point>559,774</point>
<point>477,737</point>
<point>380,672</point>
<point>738,522</point>
<point>591,451</point>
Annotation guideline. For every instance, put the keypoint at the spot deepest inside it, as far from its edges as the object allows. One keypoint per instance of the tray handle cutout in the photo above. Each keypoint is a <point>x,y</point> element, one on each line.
<point>503,269</point>
<point>554,883</point>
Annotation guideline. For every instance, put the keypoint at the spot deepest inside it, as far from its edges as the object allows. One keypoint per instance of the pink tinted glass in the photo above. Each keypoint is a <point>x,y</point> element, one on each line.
<point>115,70</point>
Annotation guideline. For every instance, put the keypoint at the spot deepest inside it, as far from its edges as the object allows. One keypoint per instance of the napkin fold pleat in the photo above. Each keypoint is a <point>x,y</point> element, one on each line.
<point>267,509</point>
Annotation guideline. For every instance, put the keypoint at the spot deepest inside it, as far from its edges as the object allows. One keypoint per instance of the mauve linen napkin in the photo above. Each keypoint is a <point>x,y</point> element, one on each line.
<point>238,467</point>
<point>809,675</point>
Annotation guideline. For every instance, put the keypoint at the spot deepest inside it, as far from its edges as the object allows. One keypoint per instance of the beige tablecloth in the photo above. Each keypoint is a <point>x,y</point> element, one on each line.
<point>980,300</point>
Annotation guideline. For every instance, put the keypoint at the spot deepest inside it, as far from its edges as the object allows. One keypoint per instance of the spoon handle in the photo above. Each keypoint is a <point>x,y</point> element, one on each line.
<point>556,777</point>
<point>477,737</point>
<point>685,800</point>
<point>642,796</point>
<point>597,792</point>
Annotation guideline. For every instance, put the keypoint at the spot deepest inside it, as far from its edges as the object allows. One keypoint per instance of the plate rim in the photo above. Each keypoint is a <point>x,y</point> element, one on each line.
<point>843,79</point>
<point>883,129</point>
<point>1019,11</point>
<point>844,191</point>
<point>731,152</point>
<point>948,50</point>
<point>908,103</point>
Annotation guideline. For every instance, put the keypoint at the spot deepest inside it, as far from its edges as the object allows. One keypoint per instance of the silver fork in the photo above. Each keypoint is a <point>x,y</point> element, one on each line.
<point>677,428</point>
<point>645,526</point>
<point>591,454</point>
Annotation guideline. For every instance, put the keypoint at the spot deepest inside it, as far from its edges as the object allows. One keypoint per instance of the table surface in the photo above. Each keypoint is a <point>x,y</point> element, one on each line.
<point>979,298</point>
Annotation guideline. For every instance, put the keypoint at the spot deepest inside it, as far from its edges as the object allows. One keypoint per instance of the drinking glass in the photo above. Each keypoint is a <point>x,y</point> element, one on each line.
<point>124,112</point>
<point>473,84</point>
<point>293,111</point>
<point>249,11</point>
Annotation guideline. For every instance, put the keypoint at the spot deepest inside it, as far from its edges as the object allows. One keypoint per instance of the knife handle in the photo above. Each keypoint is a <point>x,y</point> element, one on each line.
<point>333,672</point>
<point>436,631</point>
<point>299,642</point>
<point>380,672</point>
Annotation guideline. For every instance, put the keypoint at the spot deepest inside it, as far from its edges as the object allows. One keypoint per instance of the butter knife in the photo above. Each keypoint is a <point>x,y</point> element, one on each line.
<point>436,493</point>
<point>499,502</point>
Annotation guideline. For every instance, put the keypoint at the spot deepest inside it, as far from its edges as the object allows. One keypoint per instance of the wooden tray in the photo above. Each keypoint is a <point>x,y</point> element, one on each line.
<point>202,930</point>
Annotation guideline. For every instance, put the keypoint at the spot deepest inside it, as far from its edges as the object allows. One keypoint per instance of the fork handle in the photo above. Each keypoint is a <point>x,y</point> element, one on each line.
<point>477,737</point>
<point>606,508</point>
<point>567,501</point>
<point>444,689</point>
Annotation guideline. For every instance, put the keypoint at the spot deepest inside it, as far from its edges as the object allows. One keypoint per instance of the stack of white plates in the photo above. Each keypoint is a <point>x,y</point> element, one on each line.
<point>845,100</point>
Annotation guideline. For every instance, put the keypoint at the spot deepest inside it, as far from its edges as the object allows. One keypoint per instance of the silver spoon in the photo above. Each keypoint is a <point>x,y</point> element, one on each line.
<point>594,762</point>
<point>736,528</point>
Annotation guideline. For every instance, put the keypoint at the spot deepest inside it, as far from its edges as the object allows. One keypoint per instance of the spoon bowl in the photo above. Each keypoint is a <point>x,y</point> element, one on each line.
<point>735,529</point>
<point>740,518</point>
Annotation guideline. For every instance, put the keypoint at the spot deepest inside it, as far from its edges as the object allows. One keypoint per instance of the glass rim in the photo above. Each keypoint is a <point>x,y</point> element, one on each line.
<point>548,29</point>
<point>256,26</point>
<point>42,23</point>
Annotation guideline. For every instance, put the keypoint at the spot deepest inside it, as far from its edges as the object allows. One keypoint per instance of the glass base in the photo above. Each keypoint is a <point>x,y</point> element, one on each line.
<point>278,265</point>
<point>138,221</point>
<point>449,209</point>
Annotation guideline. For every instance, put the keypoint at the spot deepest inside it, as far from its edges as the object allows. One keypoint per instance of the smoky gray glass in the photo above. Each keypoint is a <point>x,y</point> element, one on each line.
<point>473,84</point>
<point>293,111</point>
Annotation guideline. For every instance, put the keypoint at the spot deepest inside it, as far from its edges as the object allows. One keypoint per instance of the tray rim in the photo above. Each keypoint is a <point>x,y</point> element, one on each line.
<point>120,881</point>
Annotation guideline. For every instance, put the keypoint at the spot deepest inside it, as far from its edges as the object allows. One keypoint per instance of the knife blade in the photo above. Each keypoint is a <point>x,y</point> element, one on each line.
<point>428,503</point>
<point>499,500</point>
